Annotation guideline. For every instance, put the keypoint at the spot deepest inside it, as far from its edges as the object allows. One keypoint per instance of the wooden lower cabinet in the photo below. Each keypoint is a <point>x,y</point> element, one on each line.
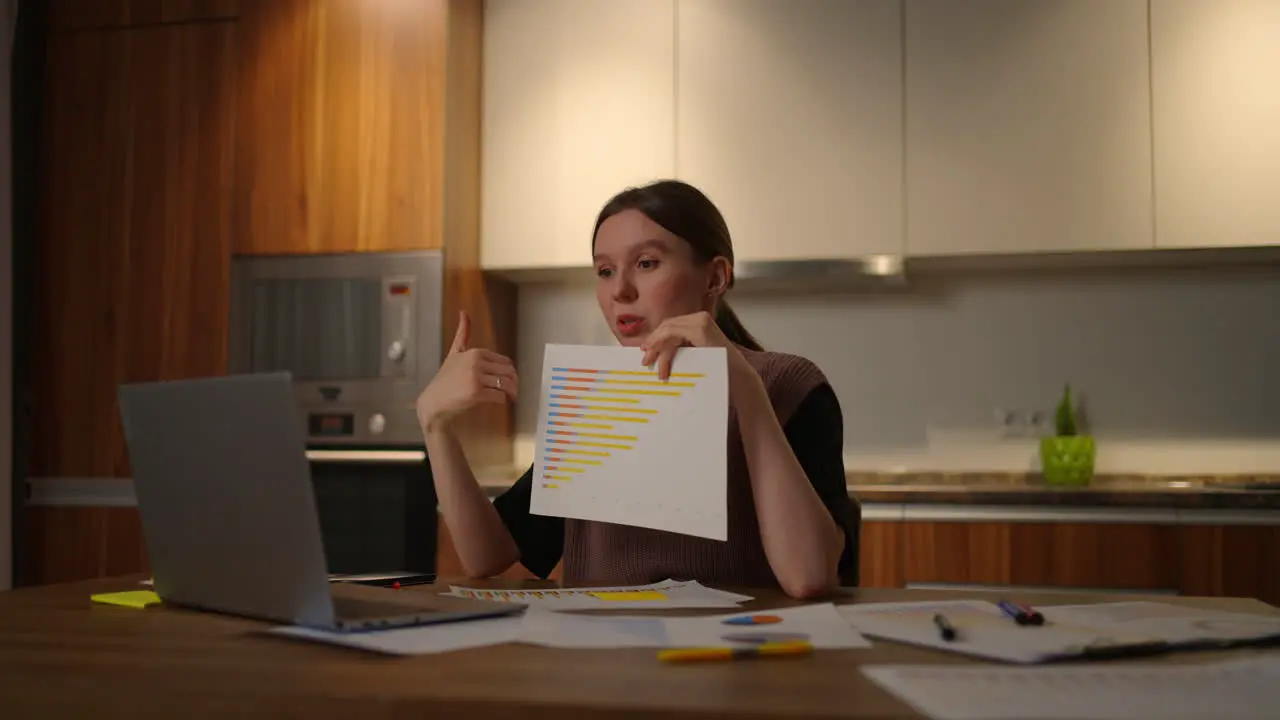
<point>66,544</point>
<point>73,543</point>
<point>1078,555</point>
<point>1212,560</point>
<point>1230,560</point>
<point>880,552</point>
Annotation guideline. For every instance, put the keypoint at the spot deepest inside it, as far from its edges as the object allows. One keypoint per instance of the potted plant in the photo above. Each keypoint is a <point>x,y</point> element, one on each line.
<point>1067,457</point>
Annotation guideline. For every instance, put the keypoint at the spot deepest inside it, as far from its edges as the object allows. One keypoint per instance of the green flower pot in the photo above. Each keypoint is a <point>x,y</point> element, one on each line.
<point>1067,460</point>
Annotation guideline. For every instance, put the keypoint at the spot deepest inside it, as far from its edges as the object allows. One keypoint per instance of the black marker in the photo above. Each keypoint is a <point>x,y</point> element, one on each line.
<point>948,632</point>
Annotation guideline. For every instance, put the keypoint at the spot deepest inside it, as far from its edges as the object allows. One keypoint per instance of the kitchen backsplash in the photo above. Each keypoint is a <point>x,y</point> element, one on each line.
<point>1178,370</point>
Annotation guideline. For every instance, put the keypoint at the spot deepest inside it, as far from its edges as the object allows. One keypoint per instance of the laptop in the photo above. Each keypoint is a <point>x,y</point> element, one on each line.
<point>229,513</point>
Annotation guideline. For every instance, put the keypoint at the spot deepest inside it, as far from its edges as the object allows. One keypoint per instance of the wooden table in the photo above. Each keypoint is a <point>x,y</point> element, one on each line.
<point>63,656</point>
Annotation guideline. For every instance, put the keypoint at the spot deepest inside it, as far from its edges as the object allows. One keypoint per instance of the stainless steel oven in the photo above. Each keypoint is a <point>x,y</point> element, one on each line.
<point>377,510</point>
<point>360,333</point>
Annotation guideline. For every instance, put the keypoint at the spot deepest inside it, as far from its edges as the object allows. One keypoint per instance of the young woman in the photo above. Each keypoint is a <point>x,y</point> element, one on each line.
<point>663,261</point>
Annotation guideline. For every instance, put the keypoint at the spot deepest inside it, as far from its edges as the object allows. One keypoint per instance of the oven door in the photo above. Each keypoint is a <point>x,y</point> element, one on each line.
<point>377,509</point>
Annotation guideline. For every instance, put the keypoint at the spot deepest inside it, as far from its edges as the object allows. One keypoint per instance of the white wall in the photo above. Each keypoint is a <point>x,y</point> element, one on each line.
<point>8,14</point>
<point>1179,370</point>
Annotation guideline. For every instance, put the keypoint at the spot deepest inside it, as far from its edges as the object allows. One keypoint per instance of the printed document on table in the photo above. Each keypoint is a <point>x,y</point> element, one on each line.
<point>616,444</point>
<point>818,624</point>
<point>667,595</point>
<point>982,630</point>
<point>1167,622</point>
<point>421,640</point>
<point>1242,689</point>
<point>1069,631</point>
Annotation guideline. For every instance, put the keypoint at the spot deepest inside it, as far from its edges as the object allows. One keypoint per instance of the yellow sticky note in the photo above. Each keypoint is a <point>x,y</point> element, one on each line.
<point>133,598</point>
<point>626,595</point>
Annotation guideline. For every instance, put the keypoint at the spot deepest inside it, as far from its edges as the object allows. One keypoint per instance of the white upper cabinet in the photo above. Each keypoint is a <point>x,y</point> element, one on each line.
<point>1216,93</point>
<point>1028,126</point>
<point>579,103</point>
<point>789,116</point>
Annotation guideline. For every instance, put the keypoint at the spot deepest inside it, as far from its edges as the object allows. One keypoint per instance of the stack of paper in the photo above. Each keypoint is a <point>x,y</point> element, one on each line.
<point>1071,631</point>
<point>818,624</point>
<point>1174,624</point>
<point>982,630</point>
<point>666,595</point>
<point>424,640</point>
<point>1237,689</point>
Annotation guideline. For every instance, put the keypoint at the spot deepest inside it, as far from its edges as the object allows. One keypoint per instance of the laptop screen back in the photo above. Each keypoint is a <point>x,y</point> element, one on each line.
<point>225,495</point>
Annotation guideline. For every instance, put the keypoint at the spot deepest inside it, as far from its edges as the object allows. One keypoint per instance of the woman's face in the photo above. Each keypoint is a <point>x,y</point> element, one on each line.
<point>644,275</point>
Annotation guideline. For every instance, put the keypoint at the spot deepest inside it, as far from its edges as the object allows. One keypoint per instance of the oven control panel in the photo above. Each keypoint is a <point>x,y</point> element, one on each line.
<point>351,425</point>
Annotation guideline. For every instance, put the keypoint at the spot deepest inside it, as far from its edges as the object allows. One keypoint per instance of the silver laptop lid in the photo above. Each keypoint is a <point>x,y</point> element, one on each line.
<point>224,491</point>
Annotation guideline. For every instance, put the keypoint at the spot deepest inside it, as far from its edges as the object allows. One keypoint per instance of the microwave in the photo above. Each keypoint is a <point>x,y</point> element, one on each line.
<point>360,333</point>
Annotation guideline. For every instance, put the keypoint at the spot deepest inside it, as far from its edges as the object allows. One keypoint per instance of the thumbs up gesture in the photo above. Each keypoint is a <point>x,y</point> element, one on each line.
<point>467,377</point>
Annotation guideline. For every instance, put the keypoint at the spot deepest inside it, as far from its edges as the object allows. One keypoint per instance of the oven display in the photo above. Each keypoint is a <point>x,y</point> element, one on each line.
<point>332,424</point>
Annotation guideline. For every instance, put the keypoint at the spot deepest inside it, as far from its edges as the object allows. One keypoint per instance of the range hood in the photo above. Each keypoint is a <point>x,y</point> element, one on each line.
<point>868,271</point>
<point>834,273</point>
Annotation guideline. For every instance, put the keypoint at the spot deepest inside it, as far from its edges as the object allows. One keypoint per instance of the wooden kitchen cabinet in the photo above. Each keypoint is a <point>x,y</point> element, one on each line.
<point>579,103</point>
<point>1051,554</point>
<point>133,259</point>
<point>131,265</point>
<point>880,552</point>
<point>1216,117</point>
<point>83,14</point>
<point>341,126</point>
<point>152,162</point>
<point>1230,560</point>
<point>1028,126</point>
<point>1187,558</point>
<point>790,119</point>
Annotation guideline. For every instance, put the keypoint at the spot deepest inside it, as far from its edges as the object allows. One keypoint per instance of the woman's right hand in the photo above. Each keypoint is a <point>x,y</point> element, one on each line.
<point>467,377</point>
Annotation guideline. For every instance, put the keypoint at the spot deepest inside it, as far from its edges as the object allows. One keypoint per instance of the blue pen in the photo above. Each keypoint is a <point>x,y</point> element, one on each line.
<point>1021,614</point>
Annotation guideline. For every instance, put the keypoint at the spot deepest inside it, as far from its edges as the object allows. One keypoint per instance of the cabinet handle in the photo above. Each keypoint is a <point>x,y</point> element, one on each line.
<point>368,456</point>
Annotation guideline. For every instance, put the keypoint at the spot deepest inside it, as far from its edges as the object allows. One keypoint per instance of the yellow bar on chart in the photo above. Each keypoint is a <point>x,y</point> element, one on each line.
<point>629,595</point>
<point>713,654</point>
<point>614,419</point>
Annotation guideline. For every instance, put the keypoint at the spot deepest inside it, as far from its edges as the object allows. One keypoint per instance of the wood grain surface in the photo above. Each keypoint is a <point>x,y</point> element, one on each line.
<point>340,131</point>
<point>98,14</point>
<point>134,260</point>
<point>61,654</point>
<point>307,126</point>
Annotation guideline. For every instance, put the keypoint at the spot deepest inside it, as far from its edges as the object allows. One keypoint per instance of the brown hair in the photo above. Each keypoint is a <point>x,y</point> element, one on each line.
<point>687,213</point>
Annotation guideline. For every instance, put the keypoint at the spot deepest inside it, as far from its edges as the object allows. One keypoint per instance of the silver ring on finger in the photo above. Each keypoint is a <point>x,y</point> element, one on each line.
<point>497,383</point>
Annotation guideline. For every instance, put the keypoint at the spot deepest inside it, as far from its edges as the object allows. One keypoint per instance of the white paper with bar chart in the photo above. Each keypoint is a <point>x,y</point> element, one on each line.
<point>617,444</point>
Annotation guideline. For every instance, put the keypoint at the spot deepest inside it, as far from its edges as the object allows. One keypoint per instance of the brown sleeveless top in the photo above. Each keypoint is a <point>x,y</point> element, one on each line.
<point>601,553</point>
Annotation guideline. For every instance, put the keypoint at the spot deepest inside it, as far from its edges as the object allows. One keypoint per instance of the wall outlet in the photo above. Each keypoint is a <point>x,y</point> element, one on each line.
<point>1008,422</point>
<point>1019,423</point>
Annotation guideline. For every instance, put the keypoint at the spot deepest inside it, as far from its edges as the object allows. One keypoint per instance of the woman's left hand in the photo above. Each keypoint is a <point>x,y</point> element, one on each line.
<point>696,330</point>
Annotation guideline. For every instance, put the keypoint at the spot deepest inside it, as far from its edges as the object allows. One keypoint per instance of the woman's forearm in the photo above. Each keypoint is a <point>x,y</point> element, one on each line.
<point>802,542</point>
<point>480,538</point>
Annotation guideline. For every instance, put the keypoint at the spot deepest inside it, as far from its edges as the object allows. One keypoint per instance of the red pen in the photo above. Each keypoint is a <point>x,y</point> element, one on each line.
<point>1033,614</point>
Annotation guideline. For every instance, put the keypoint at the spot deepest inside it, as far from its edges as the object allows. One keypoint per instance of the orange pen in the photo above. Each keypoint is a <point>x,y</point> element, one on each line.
<point>735,653</point>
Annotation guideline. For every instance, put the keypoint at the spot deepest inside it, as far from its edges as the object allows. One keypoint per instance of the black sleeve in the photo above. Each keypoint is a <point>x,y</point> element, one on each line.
<point>540,538</point>
<point>816,434</point>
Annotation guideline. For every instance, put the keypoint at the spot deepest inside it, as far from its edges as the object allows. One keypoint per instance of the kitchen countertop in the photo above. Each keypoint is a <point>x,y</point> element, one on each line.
<point>1191,492</point>
<point>1234,492</point>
